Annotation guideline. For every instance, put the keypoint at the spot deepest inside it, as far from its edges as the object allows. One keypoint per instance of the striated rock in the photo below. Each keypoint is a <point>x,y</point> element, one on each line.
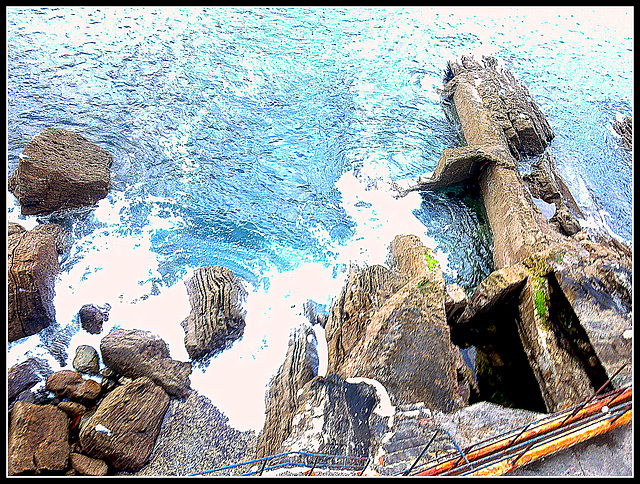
<point>124,428</point>
<point>37,439</point>
<point>216,318</point>
<point>23,376</point>
<point>86,360</point>
<point>32,267</point>
<point>390,326</point>
<point>333,418</point>
<point>544,183</point>
<point>60,169</point>
<point>92,317</point>
<point>87,466</point>
<point>70,384</point>
<point>299,367</point>
<point>135,353</point>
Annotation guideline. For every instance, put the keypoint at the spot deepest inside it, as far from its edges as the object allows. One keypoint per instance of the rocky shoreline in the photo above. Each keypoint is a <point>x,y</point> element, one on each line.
<point>548,328</point>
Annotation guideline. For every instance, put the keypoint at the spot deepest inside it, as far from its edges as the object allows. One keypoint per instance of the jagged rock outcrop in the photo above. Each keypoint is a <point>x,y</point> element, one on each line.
<point>32,268</point>
<point>216,320</point>
<point>283,395</point>
<point>59,169</point>
<point>38,439</point>
<point>124,428</point>
<point>540,317</point>
<point>507,102</point>
<point>135,353</point>
<point>390,325</point>
<point>545,183</point>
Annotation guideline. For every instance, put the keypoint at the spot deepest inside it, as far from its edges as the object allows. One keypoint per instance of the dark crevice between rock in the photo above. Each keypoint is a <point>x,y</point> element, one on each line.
<point>502,370</point>
<point>572,336</point>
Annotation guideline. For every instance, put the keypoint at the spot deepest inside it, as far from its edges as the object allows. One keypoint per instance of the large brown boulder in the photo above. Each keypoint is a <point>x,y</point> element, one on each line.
<point>38,439</point>
<point>216,318</point>
<point>124,428</point>
<point>135,353</point>
<point>390,325</point>
<point>32,268</point>
<point>60,169</point>
<point>299,367</point>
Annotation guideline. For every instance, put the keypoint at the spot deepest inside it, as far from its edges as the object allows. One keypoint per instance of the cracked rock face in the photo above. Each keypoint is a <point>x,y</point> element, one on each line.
<point>60,169</point>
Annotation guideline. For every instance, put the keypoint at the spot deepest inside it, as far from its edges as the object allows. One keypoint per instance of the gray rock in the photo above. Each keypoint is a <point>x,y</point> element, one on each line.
<point>283,395</point>
<point>92,317</point>
<point>86,360</point>
<point>23,376</point>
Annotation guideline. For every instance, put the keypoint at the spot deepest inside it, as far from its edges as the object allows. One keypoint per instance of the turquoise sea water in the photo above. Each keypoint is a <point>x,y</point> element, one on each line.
<point>265,140</point>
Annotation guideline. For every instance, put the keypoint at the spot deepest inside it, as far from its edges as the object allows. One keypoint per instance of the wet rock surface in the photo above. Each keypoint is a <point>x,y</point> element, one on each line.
<point>60,169</point>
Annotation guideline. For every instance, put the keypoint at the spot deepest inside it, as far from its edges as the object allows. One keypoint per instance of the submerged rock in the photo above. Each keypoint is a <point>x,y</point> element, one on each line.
<point>135,353</point>
<point>217,318</point>
<point>32,267</point>
<point>60,169</point>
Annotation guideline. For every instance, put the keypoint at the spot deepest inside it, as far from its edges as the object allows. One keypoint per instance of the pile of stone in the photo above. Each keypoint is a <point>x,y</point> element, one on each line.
<point>109,422</point>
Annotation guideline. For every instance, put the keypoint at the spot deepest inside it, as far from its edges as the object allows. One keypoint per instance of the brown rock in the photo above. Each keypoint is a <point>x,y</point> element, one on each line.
<point>32,267</point>
<point>87,466</point>
<point>216,318</point>
<point>397,333</point>
<point>124,428</point>
<point>60,169</point>
<point>38,439</point>
<point>135,353</point>
<point>72,409</point>
<point>299,367</point>
<point>70,384</point>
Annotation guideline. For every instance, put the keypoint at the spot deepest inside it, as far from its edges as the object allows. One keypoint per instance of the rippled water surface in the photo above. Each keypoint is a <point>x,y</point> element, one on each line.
<point>265,140</point>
